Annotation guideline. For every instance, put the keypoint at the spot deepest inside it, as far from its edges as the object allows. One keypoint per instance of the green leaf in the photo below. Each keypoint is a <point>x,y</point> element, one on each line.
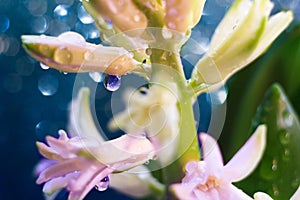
<point>278,173</point>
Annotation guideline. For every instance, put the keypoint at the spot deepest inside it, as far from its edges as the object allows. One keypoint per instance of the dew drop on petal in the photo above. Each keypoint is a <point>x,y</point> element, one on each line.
<point>44,66</point>
<point>112,82</point>
<point>288,118</point>
<point>96,76</point>
<point>62,55</point>
<point>48,85</point>
<point>284,137</point>
<point>72,38</point>
<point>103,184</point>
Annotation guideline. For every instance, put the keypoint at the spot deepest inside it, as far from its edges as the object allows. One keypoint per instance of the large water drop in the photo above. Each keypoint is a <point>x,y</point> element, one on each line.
<point>62,55</point>
<point>72,38</point>
<point>103,184</point>
<point>112,82</point>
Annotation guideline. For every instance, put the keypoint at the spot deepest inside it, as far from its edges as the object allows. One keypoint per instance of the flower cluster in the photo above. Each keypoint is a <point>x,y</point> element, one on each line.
<point>146,38</point>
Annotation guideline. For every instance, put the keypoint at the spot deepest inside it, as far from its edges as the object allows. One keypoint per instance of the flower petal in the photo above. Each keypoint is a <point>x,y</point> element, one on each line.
<point>61,169</point>
<point>81,119</point>
<point>275,26</point>
<point>261,196</point>
<point>124,152</point>
<point>230,192</point>
<point>87,180</point>
<point>48,152</point>
<point>74,56</point>
<point>212,154</point>
<point>296,195</point>
<point>247,158</point>
<point>58,183</point>
<point>137,182</point>
<point>183,191</point>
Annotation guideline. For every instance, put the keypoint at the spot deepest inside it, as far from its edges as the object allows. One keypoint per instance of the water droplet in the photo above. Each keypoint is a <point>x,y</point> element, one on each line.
<point>171,25</point>
<point>96,76</point>
<point>286,155</point>
<point>72,38</point>
<point>274,165</point>
<point>268,169</point>
<point>288,118</point>
<point>166,33</point>
<point>103,184</point>
<point>112,82</point>
<point>83,16</point>
<point>44,66</point>
<point>62,55</point>
<point>48,85</point>
<point>45,50</point>
<point>88,55</point>
<point>173,12</point>
<point>65,73</point>
<point>136,18</point>
<point>149,51</point>
<point>284,137</point>
<point>147,162</point>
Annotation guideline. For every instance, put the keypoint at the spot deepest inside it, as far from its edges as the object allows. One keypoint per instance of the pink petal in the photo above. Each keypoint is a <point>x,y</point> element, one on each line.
<point>247,158</point>
<point>62,169</point>
<point>212,154</point>
<point>296,195</point>
<point>86,181</point>
<point>58,183</point>
<point>64,148</point>
<point>42,165</point>
<point>183,191</point>
<point>230,192</point>
<point>48,152</point>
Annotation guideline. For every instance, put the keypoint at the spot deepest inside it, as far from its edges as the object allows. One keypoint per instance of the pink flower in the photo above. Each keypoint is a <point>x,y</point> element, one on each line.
<point>210,179</point>
<point>81,165</point>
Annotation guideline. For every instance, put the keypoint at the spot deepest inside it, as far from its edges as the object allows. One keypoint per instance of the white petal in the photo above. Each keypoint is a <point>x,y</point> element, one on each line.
<point>125,152</point>
<point>137,182</point>
<point>296,195</point>
<point>275,26</point>
<point>212,154</point>
<point>231,192</point>
<point>247,158</point>
<point>233,18</point>
<point>261,196</point>
<point>81,119</point>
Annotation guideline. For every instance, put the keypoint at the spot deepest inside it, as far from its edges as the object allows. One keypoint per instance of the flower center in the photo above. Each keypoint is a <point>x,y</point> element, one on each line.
<point>212,182</point>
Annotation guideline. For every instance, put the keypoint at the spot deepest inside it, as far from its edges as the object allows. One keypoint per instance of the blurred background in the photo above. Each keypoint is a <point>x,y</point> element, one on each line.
<point>34,99</point>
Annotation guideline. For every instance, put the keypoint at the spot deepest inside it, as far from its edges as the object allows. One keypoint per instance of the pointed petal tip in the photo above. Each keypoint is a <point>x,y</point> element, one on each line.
<point>261,196</point>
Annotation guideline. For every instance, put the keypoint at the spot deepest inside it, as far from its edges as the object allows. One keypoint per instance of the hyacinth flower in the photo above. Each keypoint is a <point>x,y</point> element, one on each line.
<point>86,161</point>
<point>146,37</point>
<point>245,33</point>
<point>210,179</point>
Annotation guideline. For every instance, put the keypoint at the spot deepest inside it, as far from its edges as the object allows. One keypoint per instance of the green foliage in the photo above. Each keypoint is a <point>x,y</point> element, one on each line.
<point>278,173</point>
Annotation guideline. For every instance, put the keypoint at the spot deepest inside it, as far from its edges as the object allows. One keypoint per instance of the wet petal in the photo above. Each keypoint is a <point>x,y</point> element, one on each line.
<point>78,57</point>
<point>123,14</point>
<point>87,180</point>
<point>61,169</point>
<point>58,183</point>
<point>249,155</point>
<point>212,154</point>
<point>182,15</point>
<point>137,182</point>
